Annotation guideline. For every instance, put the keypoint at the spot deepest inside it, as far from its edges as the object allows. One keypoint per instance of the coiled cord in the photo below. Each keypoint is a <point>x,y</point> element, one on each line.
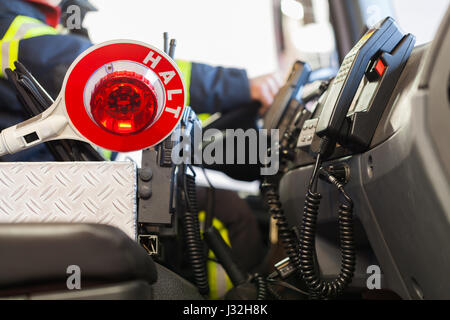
<point>285,234</point>
<point>191,226</point>
<point>319,287</point>
<point>261,287</point>
<point>303,256</point>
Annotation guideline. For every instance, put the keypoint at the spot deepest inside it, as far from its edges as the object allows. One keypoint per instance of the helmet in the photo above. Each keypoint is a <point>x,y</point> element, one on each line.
<point>50,9</point>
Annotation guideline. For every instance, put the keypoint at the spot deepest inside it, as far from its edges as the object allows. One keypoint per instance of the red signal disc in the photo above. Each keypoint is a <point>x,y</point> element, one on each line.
<point>90,61</point>
<point>123,102</point>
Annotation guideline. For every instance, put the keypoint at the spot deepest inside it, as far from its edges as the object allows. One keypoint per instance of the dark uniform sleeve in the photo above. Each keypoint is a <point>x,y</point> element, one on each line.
<point>217,89</point>
<point>11,113</point>
<point>47,57</point>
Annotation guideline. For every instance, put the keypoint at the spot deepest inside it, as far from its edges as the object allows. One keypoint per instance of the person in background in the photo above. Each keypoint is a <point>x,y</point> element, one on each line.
<point>32,32</point>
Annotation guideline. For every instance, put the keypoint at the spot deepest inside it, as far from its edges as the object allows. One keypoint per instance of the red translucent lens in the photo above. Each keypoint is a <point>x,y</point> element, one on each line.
<point>123,102</point>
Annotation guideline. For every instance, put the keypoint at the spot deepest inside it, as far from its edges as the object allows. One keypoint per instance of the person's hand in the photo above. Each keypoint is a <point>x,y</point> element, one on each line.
<point>263,89</point>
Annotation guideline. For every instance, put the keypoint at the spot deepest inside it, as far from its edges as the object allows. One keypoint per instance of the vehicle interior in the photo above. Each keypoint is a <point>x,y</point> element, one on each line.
<point>359,207</point>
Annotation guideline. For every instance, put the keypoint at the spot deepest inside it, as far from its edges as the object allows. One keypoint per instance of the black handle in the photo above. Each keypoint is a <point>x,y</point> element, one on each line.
<point>223,254</point>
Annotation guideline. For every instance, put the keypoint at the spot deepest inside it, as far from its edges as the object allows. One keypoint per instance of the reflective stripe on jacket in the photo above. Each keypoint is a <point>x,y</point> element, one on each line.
<point>22,27</point>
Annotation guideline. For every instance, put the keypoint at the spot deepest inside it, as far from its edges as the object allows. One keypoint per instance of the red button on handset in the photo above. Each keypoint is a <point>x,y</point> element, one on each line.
<point>380,67</point>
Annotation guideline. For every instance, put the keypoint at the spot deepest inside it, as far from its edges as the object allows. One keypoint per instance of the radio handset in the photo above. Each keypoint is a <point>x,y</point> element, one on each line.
<point>291,90</point>
<point>365,69</point>
<point>381,38</point>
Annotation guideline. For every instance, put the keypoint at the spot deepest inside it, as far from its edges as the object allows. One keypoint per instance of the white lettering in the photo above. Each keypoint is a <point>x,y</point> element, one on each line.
<point>176,111</point>
<point>154,60</point>
<point>171,92</point>
<point>168,75</point>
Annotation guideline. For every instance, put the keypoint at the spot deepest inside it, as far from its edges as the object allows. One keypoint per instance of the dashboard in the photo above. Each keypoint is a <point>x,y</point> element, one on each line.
<point>391,131</point>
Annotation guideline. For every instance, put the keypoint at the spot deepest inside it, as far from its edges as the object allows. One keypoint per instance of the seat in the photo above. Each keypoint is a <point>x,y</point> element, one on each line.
<point>35,258</point>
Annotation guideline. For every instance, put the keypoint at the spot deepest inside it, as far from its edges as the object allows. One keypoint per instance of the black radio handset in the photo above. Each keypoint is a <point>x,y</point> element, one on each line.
<point>298,77</point>
<point>363,60</point>
<point>381,38</point>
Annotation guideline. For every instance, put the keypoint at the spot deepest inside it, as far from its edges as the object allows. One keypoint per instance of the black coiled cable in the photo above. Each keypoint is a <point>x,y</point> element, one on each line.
<point>261,287</point>
<point>285,234</point>
<point>191,226</point>
<point>303,256</point>
<point>319,287</point>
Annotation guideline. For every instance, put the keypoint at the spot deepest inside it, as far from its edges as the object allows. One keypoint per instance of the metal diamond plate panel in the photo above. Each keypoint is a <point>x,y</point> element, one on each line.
<point>90,192</point>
